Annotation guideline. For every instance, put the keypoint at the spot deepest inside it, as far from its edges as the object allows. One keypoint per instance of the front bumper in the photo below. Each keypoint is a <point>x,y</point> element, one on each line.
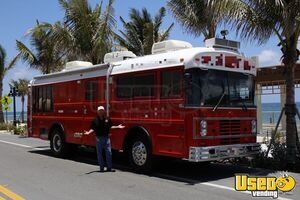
<point>212,153</point>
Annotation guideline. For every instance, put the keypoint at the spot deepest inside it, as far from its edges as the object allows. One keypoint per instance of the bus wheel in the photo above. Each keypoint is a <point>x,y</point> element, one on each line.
<point>58,146</point>
<point>139,153</point>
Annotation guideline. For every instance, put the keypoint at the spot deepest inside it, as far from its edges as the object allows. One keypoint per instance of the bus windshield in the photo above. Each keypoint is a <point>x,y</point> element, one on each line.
<point>209,88</point>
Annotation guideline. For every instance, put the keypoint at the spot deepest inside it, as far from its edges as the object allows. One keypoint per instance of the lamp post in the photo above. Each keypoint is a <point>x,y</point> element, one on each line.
<point>13,93</point>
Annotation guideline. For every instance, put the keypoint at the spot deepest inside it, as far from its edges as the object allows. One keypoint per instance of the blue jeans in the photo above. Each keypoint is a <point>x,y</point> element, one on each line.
<point>103,142</point>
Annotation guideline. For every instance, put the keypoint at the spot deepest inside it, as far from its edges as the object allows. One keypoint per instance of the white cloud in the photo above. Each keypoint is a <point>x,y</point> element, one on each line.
<point>269,57</point>
<point>17,73</point>
<point>23,73</point>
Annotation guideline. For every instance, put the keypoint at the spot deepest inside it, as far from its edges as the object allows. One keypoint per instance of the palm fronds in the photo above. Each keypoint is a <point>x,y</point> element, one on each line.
<point>197,16</point>
<point>142,31</point>
<point>4,67</point>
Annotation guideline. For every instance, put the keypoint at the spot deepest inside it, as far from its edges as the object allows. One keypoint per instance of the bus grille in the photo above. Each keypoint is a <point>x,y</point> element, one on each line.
<point>230,127</point>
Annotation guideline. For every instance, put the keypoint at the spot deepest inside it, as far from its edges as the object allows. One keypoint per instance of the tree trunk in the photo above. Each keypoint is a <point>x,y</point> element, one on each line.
<point>22,114</point>
<point>290,109</point>
<point>1,110</point>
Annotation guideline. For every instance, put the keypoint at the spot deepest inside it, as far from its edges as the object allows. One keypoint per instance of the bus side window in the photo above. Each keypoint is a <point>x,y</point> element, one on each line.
<point>49,99</point>
<point>34,99</point>
<point>40,100</point>
<point>124,87</point>
<point>143,86</point>
<point>90,91</point>
<point>43,99</point>
<point>170,84</point>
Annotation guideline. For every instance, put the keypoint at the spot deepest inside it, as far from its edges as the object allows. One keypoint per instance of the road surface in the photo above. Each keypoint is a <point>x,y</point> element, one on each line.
<point>29,171</point>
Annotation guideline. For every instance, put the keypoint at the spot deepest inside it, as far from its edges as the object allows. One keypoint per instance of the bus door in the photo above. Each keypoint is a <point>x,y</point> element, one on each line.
<point>171,136</point>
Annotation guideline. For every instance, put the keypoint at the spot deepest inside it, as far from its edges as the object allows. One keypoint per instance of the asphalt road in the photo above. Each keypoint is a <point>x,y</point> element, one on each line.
<point>29,171</point>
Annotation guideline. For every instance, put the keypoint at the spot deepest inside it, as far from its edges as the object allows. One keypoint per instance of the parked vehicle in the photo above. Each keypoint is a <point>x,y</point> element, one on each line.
<point>184,102</point>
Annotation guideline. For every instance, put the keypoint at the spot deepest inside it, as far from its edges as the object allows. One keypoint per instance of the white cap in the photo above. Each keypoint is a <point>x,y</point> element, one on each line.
<point>100,108</point>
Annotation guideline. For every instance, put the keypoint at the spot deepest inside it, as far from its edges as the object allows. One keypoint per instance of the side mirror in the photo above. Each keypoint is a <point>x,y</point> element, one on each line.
<point>187,76</point>
<point>187,80</point>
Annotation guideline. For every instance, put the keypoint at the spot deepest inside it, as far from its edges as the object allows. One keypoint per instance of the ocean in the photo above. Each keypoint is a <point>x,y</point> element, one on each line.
<point>10,116</point>
<point>270,113</point>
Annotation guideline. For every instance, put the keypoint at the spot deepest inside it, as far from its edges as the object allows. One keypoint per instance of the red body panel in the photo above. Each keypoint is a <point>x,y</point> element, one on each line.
<point>171,126</point>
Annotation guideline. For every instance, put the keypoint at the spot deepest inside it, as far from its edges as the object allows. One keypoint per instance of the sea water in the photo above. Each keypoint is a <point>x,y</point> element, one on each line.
<point>271,112</point>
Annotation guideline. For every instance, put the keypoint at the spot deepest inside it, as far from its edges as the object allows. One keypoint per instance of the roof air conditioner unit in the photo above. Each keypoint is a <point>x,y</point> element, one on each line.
<point>118,56</point>
<point>169,45</point>
<point>76,65</point>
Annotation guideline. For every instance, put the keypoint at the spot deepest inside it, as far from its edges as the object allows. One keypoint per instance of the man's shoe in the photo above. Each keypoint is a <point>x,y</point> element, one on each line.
<point>111,170</point>
<point>101,170</point>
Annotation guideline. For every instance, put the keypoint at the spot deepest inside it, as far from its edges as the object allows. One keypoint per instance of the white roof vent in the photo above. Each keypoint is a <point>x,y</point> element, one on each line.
<point>76,65</point>
<point>222,43</point>
<point>169,45</point>
<point>118,56</point>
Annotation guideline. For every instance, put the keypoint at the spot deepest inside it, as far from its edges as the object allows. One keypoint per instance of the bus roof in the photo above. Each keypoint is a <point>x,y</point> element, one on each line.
<point>198,57</point>
<point>71,75</point>
<point>189,58</point>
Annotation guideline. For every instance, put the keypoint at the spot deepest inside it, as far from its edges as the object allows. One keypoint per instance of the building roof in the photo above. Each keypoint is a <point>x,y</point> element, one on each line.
<point>275,75</point>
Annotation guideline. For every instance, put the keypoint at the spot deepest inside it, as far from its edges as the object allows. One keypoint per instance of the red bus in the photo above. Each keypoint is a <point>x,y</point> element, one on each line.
<point>193,103</point>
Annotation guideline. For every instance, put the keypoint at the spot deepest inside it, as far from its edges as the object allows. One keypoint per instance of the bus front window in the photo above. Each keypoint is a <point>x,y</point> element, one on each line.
<point>207,88</point>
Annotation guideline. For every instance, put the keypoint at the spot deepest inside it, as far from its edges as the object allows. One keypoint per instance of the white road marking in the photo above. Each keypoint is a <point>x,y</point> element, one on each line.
<point>22,145</point>
<point>221,187</point>
<point>232,189</point>
<point>203,183</point>
<point>209,184</point>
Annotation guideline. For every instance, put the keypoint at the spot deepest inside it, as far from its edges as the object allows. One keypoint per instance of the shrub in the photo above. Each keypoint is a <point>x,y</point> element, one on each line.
<point>6,126</point>
<point>20,130</point>
<point>279,137</point>
<point>277,160</point>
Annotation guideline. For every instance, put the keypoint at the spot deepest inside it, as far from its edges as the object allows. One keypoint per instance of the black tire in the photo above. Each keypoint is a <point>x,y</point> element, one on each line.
<point>58,145</point>
<point>140,153</point>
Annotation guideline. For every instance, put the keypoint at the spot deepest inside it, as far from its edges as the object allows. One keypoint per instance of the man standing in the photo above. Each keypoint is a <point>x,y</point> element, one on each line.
<point>101,125</point>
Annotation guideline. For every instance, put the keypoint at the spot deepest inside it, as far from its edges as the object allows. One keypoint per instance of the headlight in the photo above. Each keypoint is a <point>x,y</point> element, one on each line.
<point>203,128</point>
<point>253,126</point>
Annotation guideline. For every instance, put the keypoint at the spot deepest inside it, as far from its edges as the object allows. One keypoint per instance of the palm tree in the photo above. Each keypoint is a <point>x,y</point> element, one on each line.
<point>85,33</point>
<point>261,19</point>
<point>142,31</point>
<point>46,55</point>
<point>197,16</point>
<point>22,86</point>
<point>4,67</point>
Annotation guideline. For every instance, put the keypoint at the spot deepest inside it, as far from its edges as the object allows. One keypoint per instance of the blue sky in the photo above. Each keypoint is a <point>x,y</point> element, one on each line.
<point>16,17</point>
